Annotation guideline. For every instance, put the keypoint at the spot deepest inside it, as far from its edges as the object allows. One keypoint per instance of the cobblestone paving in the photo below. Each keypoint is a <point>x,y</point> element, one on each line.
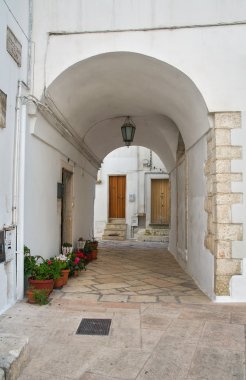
<point>184,337</point>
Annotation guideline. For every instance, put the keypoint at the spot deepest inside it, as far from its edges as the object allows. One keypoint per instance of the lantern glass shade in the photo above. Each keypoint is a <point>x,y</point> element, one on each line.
<point>128,131</point>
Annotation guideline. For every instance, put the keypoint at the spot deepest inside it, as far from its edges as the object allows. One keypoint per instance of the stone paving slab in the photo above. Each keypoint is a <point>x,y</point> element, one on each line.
<point>164,337</point>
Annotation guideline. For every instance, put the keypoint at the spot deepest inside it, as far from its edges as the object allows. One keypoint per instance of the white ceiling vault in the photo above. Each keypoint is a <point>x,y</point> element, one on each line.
<point>96,94</point>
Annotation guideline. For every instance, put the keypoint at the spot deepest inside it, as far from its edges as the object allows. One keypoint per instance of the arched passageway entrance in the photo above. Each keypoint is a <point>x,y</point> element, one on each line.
<point>132,199</point>
<point>79,122</point>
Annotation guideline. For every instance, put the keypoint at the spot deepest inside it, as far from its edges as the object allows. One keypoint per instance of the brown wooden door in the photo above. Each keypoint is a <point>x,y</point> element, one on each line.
<point>160,201</point>
<point>66,209</point>
<point>117,196</point>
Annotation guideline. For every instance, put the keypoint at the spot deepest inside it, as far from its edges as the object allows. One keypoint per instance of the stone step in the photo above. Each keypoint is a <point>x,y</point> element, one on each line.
<point>13,355</point>
<point>108,232</point>
<point>105,237</point>
<point>111,226</point>
<point>149,238</point>
<point>117,220</point>
<point>154,232</point>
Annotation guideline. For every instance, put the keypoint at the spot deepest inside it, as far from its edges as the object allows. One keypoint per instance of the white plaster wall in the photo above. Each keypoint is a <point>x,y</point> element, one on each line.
<point>10,74</point>
<point>130,162</point>
<point>205,48</point>
<point>173,217</point>
<point>47,153</point>
<point>200,262</point>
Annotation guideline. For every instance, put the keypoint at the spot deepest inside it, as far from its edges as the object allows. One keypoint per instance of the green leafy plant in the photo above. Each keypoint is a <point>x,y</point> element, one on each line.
<point>40,296</point>
<point>43,270</point>
<point>67,245</point>
<point>30,262</point>
<point>56,267</point>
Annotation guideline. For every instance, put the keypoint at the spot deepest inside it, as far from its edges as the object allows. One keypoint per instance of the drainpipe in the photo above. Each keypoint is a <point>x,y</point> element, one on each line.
<point>16,156</point>
<point>18,190</point>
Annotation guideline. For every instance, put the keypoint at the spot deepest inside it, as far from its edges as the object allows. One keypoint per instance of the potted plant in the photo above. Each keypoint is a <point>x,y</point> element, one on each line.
<point>76,263</point>
<point>80,243</point>
<point>38,296</point>
<point>63,260</point>
<point>38,271</point>
<point>57,273</point>
<point>88,250</point>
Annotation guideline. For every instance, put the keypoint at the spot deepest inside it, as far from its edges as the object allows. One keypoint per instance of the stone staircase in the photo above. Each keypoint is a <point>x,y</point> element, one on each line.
<point>153,235</point>
<point>115,230</point>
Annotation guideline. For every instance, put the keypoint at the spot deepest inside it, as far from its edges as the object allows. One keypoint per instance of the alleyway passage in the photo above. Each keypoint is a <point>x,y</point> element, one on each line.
<point>163,327</point>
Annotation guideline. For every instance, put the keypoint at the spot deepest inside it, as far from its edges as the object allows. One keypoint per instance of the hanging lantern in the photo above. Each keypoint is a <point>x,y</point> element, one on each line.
<point>128,131</point>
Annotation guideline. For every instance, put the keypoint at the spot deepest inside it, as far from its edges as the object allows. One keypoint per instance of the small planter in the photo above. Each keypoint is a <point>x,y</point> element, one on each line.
<point>67,250</point>
<point>37,296</point>
<point>94,254</point>
<point>80,244</point>
<point>42,284</point>
<point>58,283</point>
<point>65,274</point>
<point>30,296</point>
<point>75,273</point>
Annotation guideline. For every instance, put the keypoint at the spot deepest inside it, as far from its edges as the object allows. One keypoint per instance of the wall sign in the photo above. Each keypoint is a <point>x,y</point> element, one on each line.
<point>3,103</point>
<point>13,46</point>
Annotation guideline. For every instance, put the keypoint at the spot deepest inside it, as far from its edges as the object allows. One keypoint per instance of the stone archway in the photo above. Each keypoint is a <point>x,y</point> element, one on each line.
<point>87,103</point>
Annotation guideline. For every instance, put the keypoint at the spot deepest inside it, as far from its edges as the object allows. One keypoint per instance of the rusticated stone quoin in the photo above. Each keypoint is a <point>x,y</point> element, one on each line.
<point>228,120</point>
<point>223,249</point>
<point>227,267</point>
<point>221,232</point>
<point>222,285</point>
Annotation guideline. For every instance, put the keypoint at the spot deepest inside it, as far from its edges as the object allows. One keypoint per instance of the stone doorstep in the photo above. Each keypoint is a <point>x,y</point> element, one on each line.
<point>105,237</point>
<point>161,239</point>
<point>111,226</point>
<point>114,233</point>
<point>13,355</point>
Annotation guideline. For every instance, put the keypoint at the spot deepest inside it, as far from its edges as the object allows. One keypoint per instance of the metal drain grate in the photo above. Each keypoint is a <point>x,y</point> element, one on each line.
<point>89,326</point>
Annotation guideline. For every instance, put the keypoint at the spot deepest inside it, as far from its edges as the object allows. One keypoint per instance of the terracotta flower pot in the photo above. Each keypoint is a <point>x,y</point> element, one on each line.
<point>75,273</point>
<point>30,296</point>
<point>58,283</point>
<point>65,273</point>
<point>42,284</point>
<point>94,254</point>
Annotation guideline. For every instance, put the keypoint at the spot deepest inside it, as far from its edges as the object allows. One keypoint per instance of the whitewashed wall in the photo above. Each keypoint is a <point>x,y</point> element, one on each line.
<point>10,75</point>
<point>47,153</point>
<point>188,244</point>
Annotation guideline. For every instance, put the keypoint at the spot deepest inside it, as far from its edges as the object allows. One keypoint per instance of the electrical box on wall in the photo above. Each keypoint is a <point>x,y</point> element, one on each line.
<point>2,246</point>
<point>10,244</point>
<point>60,190</point>
<point>131,197</point>
<point>134,221</point>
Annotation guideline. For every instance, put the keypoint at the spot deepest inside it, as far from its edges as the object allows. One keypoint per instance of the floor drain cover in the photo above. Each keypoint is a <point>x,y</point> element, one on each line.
<point>89,326</point>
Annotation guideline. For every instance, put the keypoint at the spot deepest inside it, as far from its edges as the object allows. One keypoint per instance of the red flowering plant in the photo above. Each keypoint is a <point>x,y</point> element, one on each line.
<point>76,262</point>
<point>43,270</point>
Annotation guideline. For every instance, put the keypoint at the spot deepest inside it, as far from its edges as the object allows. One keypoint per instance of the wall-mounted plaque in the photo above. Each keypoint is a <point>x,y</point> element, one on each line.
<point>13,46</point>
<point>3,103</point>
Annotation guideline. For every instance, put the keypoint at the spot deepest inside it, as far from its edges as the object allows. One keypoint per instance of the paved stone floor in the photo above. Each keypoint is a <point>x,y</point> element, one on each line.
<point>163,327</point>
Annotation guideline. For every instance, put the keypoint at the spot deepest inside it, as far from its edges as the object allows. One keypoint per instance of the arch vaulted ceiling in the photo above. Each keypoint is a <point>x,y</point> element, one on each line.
<point>95,96</point>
